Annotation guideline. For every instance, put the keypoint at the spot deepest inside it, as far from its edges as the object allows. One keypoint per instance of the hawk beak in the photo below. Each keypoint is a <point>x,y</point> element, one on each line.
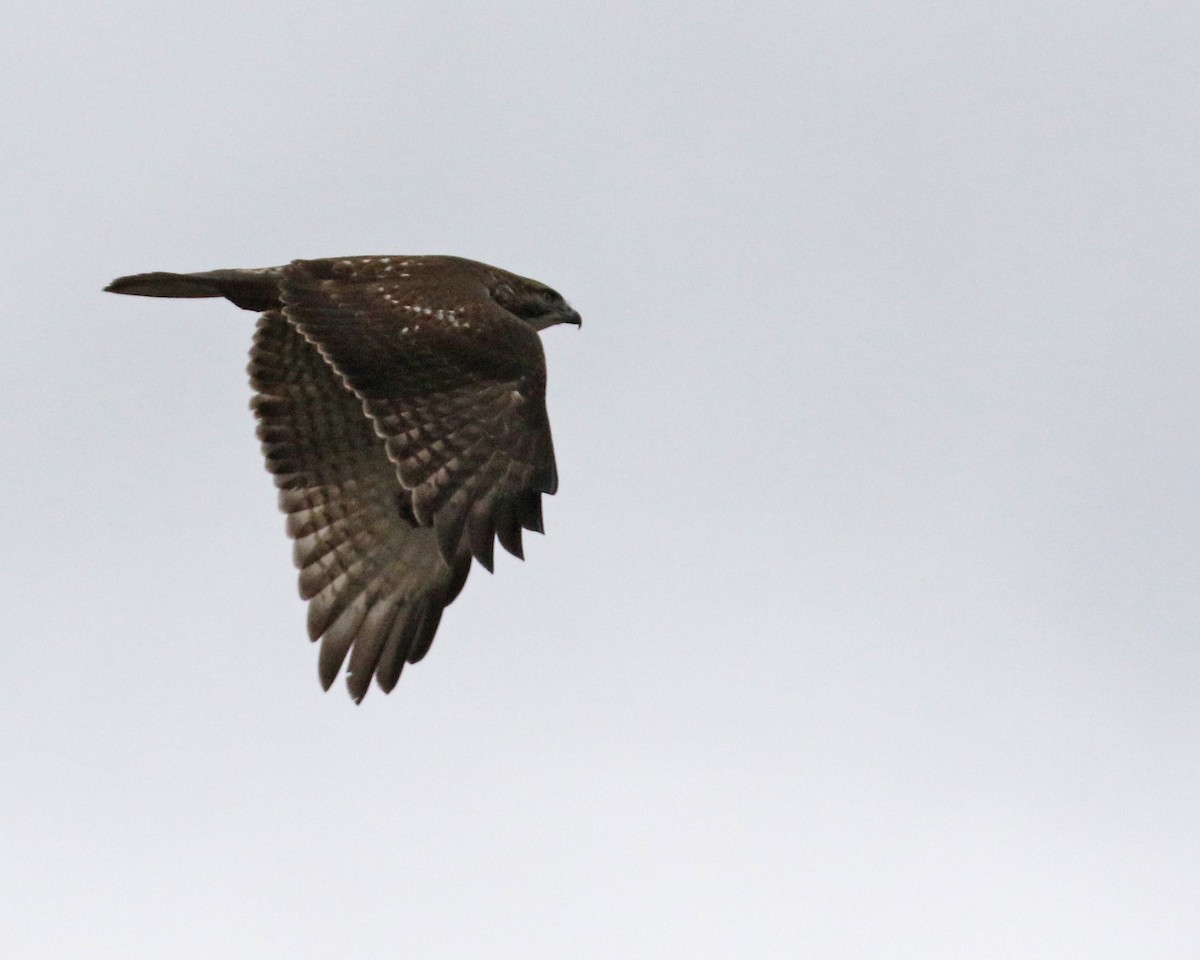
<point>572,317</point>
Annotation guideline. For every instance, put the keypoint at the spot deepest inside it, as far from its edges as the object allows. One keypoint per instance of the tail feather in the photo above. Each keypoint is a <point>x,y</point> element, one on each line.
<point>256,290</point>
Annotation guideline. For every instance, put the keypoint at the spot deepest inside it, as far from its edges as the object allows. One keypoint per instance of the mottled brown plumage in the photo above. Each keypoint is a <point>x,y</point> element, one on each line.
<point>401,408</point>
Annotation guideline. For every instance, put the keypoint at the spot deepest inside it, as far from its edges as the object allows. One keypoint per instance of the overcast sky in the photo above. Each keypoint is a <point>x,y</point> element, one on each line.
<point>867,619</point>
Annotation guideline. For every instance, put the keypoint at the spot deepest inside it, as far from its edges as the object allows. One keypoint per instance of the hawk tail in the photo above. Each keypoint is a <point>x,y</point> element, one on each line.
<point>256,290</point>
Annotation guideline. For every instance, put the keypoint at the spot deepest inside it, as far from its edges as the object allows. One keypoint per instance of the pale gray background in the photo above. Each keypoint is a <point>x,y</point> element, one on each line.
<point>867,620</point>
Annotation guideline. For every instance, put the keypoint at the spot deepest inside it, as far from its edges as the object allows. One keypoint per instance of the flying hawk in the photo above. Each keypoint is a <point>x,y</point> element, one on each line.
<point>401,408</point>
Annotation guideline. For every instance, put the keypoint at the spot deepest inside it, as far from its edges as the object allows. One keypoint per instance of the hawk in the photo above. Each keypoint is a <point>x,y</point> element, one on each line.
<point>401,409</point>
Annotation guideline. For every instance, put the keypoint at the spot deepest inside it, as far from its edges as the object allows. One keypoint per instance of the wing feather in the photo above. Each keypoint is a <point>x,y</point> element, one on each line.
<point>370,574</point>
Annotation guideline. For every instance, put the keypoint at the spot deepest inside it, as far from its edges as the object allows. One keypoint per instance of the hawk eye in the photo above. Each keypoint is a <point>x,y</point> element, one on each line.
<point>528,309</point>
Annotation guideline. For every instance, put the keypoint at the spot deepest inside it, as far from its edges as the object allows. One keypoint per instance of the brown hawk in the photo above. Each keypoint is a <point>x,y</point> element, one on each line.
<point>401,408</point>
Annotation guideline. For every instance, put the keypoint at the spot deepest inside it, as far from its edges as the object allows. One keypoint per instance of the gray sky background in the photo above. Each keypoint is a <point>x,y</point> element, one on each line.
<point>866,622</point>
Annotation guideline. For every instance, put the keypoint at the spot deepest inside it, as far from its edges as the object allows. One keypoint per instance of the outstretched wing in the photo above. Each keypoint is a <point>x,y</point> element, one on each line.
<point>454,384</point>
<point>376,582</point>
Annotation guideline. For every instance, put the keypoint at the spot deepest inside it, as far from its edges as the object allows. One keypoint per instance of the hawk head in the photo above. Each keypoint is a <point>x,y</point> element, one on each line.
<point>535,303</point>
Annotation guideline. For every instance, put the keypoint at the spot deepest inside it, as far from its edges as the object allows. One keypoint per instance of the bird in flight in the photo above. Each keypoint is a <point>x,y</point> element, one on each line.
<point>401,405</point>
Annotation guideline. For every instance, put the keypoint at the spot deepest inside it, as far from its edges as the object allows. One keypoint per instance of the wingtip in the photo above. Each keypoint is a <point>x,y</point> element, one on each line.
<point>357,689</point>
<point>386,683</point>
